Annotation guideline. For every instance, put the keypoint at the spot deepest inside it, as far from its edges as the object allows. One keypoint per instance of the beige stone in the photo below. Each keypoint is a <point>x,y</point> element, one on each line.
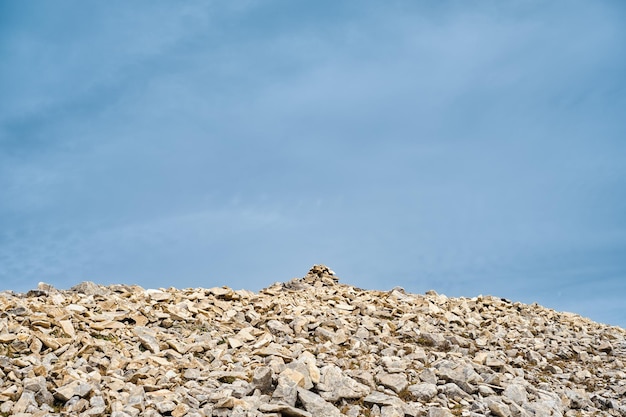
<point>309,346</point>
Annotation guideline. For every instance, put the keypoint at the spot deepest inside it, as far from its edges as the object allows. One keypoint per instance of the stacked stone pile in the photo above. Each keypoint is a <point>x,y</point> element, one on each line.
<point>307,347</point>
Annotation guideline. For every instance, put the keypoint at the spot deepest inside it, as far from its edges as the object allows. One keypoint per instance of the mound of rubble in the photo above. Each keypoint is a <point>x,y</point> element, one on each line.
<point>307,347</point>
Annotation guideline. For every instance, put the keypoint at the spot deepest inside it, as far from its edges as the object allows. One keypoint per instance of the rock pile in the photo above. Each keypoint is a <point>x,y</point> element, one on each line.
<point>307,347</point>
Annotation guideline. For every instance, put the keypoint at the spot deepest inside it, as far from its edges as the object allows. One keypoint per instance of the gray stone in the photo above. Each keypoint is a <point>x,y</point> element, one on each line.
<point>423,391</point>
<point>165,407</point>
<point>279,328</point>
<point>120,413</point>
<point>439,412</point>
<point>90,288</point>
<point>533,358</point>
<point>335,385</point>
<point>578,400</point>
<point>26,403</point>
<point>300,368</point>
<point>391,411</point>
<point>518,411</point>
<point>284,410</point>
<point>35,384</point>
<point>74,388</point>
<point>192,373</point>
<point>428,375</point>
<point>262,378</point>
<point>38,386</point>
<point>499,409</point>
<point>452,390</point>
<point>363,377</point>
<point>463,376</point>
<point>147,337</point>
<point>516,393</point>
<point>381,398</point>
<point>396,382</point>
<point>286,390</point>
<point>316,405</point>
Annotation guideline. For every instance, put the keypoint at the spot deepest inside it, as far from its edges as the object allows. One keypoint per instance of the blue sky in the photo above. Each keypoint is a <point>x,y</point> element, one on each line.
<point>467,147</point>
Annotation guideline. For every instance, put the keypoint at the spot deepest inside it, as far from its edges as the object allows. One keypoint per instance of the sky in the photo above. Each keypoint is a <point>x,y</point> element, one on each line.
<point>470,147</point>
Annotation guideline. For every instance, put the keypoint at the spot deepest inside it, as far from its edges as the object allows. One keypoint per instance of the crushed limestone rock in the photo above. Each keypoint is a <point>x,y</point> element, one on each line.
<point>307,347</point>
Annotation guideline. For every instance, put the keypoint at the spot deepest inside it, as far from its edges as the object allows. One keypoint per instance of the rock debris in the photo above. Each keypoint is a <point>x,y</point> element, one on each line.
<point>307,347</point>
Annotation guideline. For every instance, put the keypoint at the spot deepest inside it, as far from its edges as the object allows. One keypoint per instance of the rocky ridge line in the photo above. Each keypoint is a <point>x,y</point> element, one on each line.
<point>307,347</point>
